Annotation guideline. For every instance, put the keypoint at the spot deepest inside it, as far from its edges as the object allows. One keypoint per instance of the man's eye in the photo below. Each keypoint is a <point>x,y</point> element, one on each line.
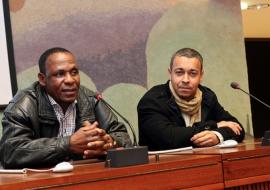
<point>59,74</point>
<point>74,72</point>
<point>179,72</point>
<point>193,74</point>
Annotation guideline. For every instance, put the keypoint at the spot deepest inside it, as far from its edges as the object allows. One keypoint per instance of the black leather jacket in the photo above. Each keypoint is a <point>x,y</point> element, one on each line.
<point>30,128</point>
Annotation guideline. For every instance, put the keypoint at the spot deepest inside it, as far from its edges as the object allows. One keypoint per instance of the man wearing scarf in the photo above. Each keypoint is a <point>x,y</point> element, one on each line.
<point>182,112</point>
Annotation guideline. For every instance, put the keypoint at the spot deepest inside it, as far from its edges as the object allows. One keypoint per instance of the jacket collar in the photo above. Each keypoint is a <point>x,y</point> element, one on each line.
<point>46,111</point>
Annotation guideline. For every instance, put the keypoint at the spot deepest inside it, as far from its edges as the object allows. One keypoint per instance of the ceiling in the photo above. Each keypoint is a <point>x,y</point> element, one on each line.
<point>256,22</point>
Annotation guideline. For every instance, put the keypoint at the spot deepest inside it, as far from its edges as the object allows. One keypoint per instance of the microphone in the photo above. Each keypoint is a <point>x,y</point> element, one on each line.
<point>120,157</point>
<point>235,85</point>
<point>99,98</point>
<point>266,137</point>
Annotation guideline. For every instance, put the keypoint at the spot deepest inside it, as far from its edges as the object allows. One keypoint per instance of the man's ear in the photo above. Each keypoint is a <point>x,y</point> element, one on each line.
<point>169,73</point>
<point>42,79</point>
<point>201,79</point>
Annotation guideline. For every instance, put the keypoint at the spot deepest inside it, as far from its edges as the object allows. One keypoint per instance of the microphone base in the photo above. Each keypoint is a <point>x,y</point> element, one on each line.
<point>266,138</point>
<point>121,157</point>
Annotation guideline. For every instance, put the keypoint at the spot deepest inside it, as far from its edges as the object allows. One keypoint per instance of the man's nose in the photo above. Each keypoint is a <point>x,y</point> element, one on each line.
<point>69,78</point>
<point>186,78</point>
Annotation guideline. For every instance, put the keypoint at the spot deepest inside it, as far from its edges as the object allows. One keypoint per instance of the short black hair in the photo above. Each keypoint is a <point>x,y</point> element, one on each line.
<point>43,58</point>
<point>187,52</point>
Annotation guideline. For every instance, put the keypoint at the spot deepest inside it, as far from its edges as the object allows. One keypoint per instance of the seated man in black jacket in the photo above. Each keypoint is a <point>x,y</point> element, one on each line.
<point>182,112</point>
<point>56,119</point>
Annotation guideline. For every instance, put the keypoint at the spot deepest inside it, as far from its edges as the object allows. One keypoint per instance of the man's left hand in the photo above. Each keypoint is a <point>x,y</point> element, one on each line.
<point>233,125</point>
<point>99,147</point>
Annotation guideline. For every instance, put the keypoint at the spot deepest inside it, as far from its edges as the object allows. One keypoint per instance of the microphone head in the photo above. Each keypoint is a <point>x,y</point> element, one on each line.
<point>235,85</point>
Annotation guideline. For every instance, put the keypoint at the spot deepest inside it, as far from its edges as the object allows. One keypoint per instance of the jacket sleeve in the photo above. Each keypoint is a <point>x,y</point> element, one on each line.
<point>20,145</point>
<point>217,114</point>
<point>108,121</point>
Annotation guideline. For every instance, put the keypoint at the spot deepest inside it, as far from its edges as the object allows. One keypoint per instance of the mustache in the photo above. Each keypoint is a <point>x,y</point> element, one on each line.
<point>184,87</point>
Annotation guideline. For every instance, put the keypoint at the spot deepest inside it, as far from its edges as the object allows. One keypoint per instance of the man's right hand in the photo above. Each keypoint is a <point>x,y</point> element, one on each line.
<point>205,138</point>
<point>89,133</point>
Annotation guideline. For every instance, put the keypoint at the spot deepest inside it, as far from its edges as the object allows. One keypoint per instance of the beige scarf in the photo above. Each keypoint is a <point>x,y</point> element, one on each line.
<point>191,108</point>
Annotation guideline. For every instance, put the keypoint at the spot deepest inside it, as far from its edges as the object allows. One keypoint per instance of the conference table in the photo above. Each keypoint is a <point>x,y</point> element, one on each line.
<point>246,166</point>
<point>169,172</point>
